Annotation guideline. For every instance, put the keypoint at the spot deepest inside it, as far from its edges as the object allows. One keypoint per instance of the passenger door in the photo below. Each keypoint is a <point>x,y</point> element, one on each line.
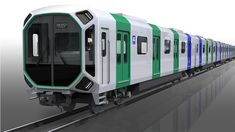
<point>176,55</point>
<point>207,51</point>
<point>105,53</point>
<point>123,59</point>
<point>156,57</point>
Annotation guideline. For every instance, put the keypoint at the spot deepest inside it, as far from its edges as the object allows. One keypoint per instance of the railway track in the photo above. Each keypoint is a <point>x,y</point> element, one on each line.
<point>78,116</point>
<point>41,122</point>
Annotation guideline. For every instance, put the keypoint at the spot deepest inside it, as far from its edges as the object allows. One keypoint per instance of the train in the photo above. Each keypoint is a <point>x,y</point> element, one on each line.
<point>74,54</point>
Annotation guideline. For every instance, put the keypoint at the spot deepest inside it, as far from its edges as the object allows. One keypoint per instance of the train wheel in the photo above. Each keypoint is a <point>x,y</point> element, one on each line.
<point>117,101</point>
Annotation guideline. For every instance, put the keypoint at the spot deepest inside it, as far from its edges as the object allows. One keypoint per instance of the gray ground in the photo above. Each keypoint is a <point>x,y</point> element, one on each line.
<point>220,116</point>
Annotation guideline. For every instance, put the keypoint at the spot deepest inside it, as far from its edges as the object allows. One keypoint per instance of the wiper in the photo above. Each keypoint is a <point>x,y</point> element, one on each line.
<point>40,58</point>
<point>43,52</point>
<point>62,59</point>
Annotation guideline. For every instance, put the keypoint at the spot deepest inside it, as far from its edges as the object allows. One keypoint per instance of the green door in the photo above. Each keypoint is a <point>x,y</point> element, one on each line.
<point>176,55</point>
<point>156,66</point>
<point>176,51</point>
<point>123,59</point>
<point>156,57</point>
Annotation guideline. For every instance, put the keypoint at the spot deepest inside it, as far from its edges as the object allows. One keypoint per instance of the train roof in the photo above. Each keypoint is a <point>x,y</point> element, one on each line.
<point>59,9</point>
<point>98,13</point>
<point>68,9</point>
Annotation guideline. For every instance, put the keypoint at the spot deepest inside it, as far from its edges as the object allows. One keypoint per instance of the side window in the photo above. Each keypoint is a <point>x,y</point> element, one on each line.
<point>203,48</point>
<point>197,48</point>
<point>103,41</point>
<point>142,45</point>
<point>209,50</point>
<point>167,44</point>
<point>214,49</point>
<point>90,38</point>
<point>118,48</point>
<point>90,50</point>
<point>183,46</point>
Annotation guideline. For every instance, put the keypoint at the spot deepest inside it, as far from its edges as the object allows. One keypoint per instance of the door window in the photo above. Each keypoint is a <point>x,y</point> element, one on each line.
<point>157,48</point>
<point>118,48</point>
<point>154,48</point>
<point>203,49</point>
<point>125,48</point>
<point>183,47</point>
<point>103,41</point>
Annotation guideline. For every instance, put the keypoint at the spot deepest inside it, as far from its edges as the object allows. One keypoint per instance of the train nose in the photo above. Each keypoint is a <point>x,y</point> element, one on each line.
<point>52,50</point>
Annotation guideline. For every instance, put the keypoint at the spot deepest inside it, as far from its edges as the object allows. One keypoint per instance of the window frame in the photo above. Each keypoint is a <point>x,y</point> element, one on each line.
<point>90,51</point>
<point>197,48</point>
<point>168,42</point>
<point>103,45</point>
<point>183,50</point>
<point>203,48</point>
<point>84,16</point>
<point>118,54</point>
<point>35,45</point>
<point>209,48</point>
<point>125,48</point>
<point>140,41</point>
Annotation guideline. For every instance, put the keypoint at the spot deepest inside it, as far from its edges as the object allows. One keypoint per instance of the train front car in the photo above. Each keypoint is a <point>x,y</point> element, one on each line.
<point>53,53</point>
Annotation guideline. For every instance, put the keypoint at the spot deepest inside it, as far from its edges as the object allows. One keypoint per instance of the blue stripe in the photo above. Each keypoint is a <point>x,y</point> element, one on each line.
<point>200,51</point>
<point>189,51</point>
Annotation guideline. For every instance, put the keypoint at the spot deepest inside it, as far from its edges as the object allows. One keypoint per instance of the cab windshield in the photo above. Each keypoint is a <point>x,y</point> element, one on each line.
<point>52,50</point>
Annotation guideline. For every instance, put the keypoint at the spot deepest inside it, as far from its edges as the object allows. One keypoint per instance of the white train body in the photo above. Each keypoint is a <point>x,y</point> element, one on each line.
<point>116,51</point>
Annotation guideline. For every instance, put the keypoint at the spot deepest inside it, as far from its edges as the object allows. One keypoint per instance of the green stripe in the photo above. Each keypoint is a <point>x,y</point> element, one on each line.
<point>122,24</point>
<point>156,66</point>
<point>123,75</point>
<point>176,51</point>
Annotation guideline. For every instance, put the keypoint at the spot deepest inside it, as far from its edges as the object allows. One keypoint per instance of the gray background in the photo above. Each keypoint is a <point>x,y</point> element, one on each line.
<point>16,109</point>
